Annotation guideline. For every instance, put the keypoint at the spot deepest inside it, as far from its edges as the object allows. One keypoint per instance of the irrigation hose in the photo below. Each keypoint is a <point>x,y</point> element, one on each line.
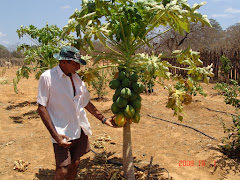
<point>183,126</point>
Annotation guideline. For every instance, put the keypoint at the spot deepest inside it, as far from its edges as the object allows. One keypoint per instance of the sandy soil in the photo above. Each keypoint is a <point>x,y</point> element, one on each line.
<point>178,152</point>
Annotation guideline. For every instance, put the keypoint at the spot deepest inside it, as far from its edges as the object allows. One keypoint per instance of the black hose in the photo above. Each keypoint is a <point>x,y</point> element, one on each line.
<point>183,126</point>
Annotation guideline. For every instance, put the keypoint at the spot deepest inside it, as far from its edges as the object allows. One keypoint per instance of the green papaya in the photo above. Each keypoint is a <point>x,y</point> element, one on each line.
<point>114,84</point>
<point>126,93</point>
<point>133,96</point>
<point>136,104</point>
<point>139,97</point>
<point>125,83</point>
<point>118,91</point>
<point>115,96</point>
<point>134,77</point>
<point>121,102</point>
<point>115,109</point>
<point>121,75</point>
<point>138,87</point>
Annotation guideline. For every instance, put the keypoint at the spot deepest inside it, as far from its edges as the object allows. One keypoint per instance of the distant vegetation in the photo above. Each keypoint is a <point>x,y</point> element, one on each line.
<point>6,53</point>
<point>199,37</point>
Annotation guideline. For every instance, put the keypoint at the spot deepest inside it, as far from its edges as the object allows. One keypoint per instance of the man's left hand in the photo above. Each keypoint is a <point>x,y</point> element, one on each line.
<point>110,121</point>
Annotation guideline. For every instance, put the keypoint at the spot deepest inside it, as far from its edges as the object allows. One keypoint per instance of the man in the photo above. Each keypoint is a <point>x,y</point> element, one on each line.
<point>62,97</point>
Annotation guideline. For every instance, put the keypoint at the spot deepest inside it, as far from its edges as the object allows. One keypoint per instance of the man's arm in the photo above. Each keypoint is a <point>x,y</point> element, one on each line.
<point>49,125</point>
<point>93,110</point>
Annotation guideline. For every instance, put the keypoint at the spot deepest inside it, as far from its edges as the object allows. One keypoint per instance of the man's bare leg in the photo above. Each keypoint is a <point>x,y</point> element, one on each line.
<point>72,170</point>
<point>60,173</point>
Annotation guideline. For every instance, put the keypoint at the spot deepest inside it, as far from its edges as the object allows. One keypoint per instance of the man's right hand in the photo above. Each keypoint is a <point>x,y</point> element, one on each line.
<point>62,141</point>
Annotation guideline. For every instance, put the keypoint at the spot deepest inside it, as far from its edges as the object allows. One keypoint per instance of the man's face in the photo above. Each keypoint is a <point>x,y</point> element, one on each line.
<point>71,67</point>
<point>74,65</point>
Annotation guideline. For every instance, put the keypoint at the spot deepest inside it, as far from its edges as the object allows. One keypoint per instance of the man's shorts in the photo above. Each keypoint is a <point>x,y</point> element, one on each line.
<point>79,147</point>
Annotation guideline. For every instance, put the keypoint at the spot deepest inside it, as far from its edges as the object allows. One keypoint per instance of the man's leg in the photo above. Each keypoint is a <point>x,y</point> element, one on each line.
<point>63,159</point>
<point>60,173</point>
<point>72,170</point>
<point>78,148</point>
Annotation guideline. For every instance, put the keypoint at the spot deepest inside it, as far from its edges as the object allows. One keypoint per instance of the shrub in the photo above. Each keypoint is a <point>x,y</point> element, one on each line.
<point>99,84</point>
<point>225,67</point>
<point>232,141</point>
<point>230,92</point>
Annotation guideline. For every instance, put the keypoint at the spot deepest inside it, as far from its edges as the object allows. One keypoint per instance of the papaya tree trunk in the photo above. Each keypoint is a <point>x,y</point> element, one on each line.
<point>128,166</point>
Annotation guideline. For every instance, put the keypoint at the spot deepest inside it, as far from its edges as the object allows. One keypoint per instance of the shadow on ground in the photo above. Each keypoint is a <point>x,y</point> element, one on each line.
<point>227,161</point>
<point>96,169</point>
<point>22,104</point>
<point>33,114</point>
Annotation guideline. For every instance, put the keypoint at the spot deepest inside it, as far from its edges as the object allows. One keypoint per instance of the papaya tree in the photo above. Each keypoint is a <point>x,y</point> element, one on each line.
<point>39,55</point>
<point>125,26</point>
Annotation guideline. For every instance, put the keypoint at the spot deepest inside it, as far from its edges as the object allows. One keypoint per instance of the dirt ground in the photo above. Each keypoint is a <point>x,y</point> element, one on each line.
<point>177,151</point>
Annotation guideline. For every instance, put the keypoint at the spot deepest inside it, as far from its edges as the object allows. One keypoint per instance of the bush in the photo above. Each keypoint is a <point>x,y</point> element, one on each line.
<point>230,92</point>
<point>4,53</point>
<point>99,84</point>
<point>231,145</point>
<point>225,67</point>
<point>232,141</point>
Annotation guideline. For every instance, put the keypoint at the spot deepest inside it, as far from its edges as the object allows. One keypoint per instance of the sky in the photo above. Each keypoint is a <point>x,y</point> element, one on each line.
<point>14,13</point>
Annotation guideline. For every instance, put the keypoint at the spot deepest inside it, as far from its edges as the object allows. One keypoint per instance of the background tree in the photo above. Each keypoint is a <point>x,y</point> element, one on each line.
<point>39,55</point>
<point>14,51</point>
<point>215,25</point>
<point>4,52</point>
<point>205,37</point>
<point>124,31</point>
<point>232,36</point>
<point>199,37</point>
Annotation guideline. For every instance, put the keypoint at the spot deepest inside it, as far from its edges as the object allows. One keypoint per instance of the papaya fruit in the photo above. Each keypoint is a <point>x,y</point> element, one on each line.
<point>139,97</point>
<point>138,87</point>
<point>125,82</point>
<point>121,75</point>
<point>126,92</point>
<point>129,111</point>
<point>136,104</point>
<point>115,109</point>
<point>120,119</point>
<point>114,84</point>
<point>118,91</point>
<point>121,102</point>
<point>134,77</point>
<point>136,117</point>
<point>115,96</point>
<point>133,96</point>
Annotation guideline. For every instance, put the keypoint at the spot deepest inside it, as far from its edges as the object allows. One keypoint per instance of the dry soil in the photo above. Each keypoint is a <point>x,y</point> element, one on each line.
<point>179,152</point>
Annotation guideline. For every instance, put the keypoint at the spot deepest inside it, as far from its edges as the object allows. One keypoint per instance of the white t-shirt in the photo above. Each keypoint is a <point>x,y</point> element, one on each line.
<point>66,111</point>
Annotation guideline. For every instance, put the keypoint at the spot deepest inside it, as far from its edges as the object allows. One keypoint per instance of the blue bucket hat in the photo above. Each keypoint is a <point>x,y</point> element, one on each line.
<point>70,53</point>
